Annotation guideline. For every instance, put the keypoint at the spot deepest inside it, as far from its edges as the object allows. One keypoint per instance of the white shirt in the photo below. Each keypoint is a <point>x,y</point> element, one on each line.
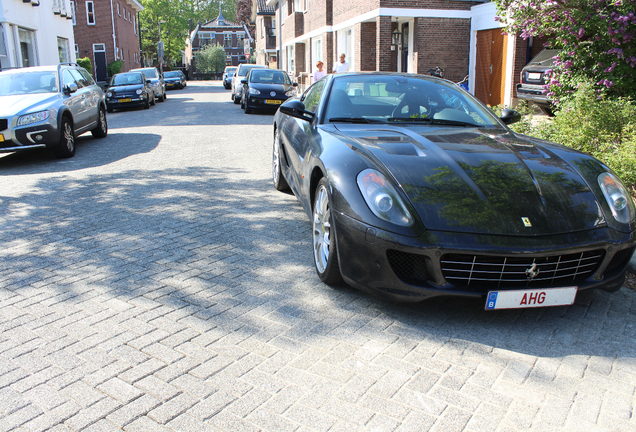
<point>319,74</point>
<point>341,67</point>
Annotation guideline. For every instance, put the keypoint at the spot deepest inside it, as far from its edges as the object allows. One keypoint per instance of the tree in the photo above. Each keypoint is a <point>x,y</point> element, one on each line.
<point>210,59</point>
<point>175,27</point>
<point>596,38</point>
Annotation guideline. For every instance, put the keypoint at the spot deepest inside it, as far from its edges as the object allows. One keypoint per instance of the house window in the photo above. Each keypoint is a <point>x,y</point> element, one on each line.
<point>134,21</point>
<point>283,11</point>
<point>28,52</point>
<point>118,12</point>
<point>316,50</point>
<point>290,58</point>
<point>240,38</point>
<point>227,40</point>
<point>73,12</point>
<point>90,13</point>
<point>62,50</point>
<point>4,60</point>
<point>76,51</point>
<point>299,6</point>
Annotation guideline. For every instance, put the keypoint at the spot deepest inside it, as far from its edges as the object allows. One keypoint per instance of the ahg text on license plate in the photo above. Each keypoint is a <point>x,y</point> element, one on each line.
<point>518,299</point>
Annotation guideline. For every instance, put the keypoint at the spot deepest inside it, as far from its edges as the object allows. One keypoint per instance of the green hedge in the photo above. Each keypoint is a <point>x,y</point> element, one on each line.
<point>114,67</point>
<point>86,64</point>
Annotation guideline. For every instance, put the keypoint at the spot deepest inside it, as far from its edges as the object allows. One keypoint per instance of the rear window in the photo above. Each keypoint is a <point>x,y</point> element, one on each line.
<point>150,73</point>
<point>243,70</point>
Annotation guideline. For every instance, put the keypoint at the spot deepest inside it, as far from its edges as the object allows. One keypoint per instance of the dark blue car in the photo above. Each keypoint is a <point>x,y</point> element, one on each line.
<point>129,89</point>
<point>174,80</point>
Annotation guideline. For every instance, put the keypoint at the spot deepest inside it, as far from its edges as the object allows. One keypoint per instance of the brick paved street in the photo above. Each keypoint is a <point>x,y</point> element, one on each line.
<point>157,282</point>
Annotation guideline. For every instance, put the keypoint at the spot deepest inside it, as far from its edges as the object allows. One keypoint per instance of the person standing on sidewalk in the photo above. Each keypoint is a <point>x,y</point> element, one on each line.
<point>320,72</point>
<point>343,66</point>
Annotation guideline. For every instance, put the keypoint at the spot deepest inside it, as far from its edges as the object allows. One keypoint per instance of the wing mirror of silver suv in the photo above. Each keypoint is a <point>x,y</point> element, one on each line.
<point>70,88</point>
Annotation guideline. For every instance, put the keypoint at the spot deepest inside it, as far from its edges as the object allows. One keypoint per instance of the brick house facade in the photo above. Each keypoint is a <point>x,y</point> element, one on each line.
<point>431,33</point>
<point>264,19</point>
<point>106,31</point>
<point>231,36</point>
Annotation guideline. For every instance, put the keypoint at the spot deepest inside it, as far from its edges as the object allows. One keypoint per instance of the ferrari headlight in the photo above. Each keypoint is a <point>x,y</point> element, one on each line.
<point>290,93</point>
<point>35,117</point>
<point>254,91</point>
<point>138,91</point>
<point>382,198</point>
<point>618,198</point>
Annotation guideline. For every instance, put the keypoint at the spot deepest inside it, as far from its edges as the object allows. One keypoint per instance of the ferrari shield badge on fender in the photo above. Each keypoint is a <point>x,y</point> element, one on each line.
<point>526,222</point>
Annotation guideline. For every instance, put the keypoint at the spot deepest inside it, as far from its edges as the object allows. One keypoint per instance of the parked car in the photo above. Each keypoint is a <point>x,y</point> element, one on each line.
<point>415,189</point>
<point>228,73</point>
<point>129,89</point>
<point>241,72</point>
<point>534,78</point>
<point>266,89</point>
<point>157,83</point>
<point>47,107</point>
<point>174,79</point>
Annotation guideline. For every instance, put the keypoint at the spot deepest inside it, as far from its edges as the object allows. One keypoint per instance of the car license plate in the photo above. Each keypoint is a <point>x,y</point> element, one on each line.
<point>274,102</point>
<point>125,100</point>
<point>534,75</point>
<point>518,299</point>
<point>1,138</point>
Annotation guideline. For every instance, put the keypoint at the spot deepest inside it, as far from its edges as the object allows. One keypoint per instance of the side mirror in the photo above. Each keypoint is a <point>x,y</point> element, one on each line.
<point>294,84</point>
<point>243,81</point>
<point>296,108</point>
<point>70,88</point>
<point>148,81</point>
<point>509,116</point>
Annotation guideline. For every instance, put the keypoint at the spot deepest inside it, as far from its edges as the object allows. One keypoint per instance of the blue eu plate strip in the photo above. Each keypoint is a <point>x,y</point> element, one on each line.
<point>491,301</point>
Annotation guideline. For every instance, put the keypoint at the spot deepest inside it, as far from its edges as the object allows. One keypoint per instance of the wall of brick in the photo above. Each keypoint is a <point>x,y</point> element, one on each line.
<point>443,42</point>
<point>385,59</point>
<point>102,32</point>
<point>366,36</point>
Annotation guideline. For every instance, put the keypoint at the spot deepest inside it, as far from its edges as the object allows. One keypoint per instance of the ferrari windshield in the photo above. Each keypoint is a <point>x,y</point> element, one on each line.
<point>404,99</point>
<point>127,79</point>
<point>20,83</point>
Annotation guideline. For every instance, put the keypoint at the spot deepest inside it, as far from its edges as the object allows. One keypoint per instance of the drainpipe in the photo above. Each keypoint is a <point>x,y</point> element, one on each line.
<point>112,17</point>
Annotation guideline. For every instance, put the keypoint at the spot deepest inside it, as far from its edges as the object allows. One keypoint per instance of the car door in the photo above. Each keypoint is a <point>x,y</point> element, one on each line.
<point>74,100</point>
<point>298,135</point>
<point>95,95</point>
<point>86,99</point>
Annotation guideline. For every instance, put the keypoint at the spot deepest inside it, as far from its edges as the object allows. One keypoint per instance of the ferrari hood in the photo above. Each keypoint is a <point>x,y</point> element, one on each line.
<point>482,180</point>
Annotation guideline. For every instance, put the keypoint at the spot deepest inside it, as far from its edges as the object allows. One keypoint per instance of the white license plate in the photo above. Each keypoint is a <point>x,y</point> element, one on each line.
<point>534,75</point>
<point>530,298</point>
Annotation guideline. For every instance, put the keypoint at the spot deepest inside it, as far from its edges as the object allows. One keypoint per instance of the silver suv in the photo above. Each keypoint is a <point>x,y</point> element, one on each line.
<point>48,106</point>
<point>237,87</point>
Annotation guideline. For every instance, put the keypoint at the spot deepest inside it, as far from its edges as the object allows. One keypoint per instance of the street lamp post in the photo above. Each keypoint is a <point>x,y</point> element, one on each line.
<point>160,57</point>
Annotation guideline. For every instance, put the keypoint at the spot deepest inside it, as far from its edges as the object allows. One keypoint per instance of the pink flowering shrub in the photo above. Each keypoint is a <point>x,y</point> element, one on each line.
<point>597,38</point>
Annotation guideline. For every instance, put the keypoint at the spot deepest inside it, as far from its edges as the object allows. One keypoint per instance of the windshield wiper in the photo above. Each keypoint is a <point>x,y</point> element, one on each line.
<point>352,120</point>
<point>409,119</point>
<point>453,123</point>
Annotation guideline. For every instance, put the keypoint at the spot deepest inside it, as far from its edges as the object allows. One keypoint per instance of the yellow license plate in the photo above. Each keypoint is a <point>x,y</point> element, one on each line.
<point>1,138</point>
<point>125,100</point>
<point>274,102</point>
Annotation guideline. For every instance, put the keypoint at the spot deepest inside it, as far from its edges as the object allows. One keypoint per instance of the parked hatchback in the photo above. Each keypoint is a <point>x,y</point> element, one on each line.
<point>237,87</point>
<point>174,79</point>
<point>47,107</point>
<point>157,83</point>
<point>266,89</point>
<point>534,77</point>
<point>228,73</point>
<point>129,89</point>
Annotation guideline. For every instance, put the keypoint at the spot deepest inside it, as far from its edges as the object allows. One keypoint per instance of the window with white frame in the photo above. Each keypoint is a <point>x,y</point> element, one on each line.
<point>283,11</point>
<point>290,59</point>
<point>28,50</point>
<point>63,50</point>
<point>134,22</point>
<point>4,58</point>
<point>240,39</point>
<point>76,51</point>
<point>316,50</point>
<point>227,40</point>
<point>73,11</point>
<point>345,45</point>
<point>90,13</point>
<point>118,11</point>
<point>299,6</point>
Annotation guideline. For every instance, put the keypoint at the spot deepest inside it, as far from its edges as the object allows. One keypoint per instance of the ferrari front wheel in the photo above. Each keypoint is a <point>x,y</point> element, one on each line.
<point>324,239</point>
<point>280,183</point>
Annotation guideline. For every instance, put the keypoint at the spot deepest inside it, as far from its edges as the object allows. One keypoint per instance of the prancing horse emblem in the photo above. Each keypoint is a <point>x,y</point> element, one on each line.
<point>532,272</point>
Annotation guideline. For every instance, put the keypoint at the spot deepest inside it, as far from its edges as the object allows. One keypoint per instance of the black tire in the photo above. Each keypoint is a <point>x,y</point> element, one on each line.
<point>237,100</point>
<point>109,109</point>
<point>147,104</point>
<point>165,95</point>
<point>101,130</point>
<point>162,97</point>
<point>152,99</point>
<point>280,183</point>
<point>66,147</point>
<point>248,109</point>
<point>323,236</point>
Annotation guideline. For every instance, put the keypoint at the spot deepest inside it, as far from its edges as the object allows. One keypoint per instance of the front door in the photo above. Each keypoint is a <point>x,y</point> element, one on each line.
<point>99,55</point>
<point>405,47</point>
<point>490,70</point>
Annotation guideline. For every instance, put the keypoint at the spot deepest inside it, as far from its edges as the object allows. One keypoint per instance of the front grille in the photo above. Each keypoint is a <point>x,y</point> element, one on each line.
<point>3,124</point>
<point>517,272</point>
<point>409,268</point>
